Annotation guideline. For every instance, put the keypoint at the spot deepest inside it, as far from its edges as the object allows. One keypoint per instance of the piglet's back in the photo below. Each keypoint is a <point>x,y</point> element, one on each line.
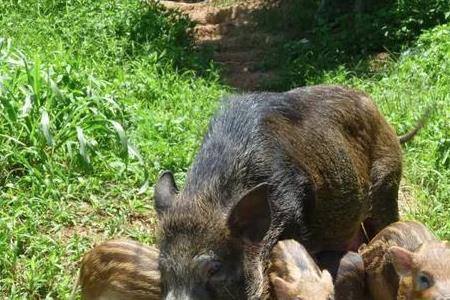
<point>406,234</point>
<point>119,270</point>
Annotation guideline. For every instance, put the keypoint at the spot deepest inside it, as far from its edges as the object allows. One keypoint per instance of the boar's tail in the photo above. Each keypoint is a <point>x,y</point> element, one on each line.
<point>410,134</point>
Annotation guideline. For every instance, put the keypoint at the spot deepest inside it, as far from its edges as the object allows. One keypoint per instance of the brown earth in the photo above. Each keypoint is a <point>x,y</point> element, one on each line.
<point>240,46</point>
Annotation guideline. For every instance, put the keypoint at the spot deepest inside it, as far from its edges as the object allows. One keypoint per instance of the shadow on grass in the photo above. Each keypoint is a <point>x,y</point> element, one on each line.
<point>300,40</point>
<point>358,38</point>
<point>155,29</point>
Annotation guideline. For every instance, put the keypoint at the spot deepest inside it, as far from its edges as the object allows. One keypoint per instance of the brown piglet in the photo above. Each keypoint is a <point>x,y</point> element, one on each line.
<point>120,270</point>
<point>350,278</point>
<point>347,270</point>
<point>294,274</point>
<point>405,261</point>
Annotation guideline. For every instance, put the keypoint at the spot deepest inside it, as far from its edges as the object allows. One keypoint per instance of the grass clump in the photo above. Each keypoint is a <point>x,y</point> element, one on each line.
<point>52,122</point>
<point>102,33</point>
<point>96,98</point>
<point>350,39</point>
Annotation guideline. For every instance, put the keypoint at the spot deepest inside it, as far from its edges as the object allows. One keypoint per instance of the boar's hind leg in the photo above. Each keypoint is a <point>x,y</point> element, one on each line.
<point>383,194</point>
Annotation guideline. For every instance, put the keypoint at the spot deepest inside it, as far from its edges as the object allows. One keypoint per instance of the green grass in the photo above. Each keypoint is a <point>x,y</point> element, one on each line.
<point>87,89</point>
<point>97,97</point>
<point>327,43</point>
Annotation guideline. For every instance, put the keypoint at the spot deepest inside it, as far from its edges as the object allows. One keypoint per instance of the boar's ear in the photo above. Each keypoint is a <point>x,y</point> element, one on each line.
<point>165,192</point>
<point>402,260</point>
<point>250,218</point>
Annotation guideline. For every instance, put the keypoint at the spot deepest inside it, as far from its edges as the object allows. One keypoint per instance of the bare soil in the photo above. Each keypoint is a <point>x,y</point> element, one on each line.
<point>239,45</point>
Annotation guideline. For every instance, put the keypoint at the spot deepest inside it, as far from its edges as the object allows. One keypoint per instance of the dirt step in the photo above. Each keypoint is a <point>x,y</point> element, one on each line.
<point>256,40</point>
<point>240,47</point>
<point>188,1</point>
<point>246,56</point>
<point>231,69</point>
<point>251,81</point>
<point>212,32</point>
<point>183,6</point>
<point>208,32</point>
<point>202,13</point>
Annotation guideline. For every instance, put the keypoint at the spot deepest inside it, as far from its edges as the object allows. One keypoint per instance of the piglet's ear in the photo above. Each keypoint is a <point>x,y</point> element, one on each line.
<point>326,278</point>
<point>402,260</point>
<point>165,192</point>
<point>281,287</point>
<point>250,218</point>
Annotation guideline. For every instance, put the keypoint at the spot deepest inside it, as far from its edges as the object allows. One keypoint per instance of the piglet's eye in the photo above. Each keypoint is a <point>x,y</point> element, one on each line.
<point>423,281</point>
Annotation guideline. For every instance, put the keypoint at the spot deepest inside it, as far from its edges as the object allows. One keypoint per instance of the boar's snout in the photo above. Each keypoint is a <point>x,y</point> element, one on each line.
<point>180,295</point>
<point>189,294</point>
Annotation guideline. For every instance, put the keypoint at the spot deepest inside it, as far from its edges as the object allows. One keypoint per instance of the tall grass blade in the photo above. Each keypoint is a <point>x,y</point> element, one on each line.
<point>3,78</point>
<point>27,106</point>
<point>145,185</point>
<point>10,109</point>
<point>134,152</point>
<point>45,126</point>
<point>55,89</point>
<point>83,146</point>
<point>122,137</point>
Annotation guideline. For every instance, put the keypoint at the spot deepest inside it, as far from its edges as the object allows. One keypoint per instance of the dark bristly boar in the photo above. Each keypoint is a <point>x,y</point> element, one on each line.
<point>120,270</point>
<point>405,261</point>
<point>295,275</point>
<point>310,164</point>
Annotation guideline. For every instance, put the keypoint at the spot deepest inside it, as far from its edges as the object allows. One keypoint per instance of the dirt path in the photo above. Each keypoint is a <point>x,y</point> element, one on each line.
<point>239,45</point>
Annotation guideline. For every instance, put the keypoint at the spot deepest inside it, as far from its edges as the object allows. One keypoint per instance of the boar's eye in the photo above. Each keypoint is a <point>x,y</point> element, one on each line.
<point>211,268</point>
<point>423,281</point>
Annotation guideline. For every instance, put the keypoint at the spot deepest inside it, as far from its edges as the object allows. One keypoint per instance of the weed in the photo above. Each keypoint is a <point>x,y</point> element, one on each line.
<point>91,111</point>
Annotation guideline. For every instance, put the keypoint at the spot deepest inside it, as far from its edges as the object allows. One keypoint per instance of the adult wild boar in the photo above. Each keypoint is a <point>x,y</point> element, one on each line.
<point>310,164</point>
